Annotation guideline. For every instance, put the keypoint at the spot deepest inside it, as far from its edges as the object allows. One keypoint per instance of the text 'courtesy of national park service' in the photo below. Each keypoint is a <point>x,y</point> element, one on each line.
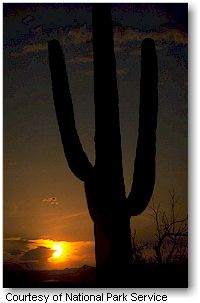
<point>81,297</point>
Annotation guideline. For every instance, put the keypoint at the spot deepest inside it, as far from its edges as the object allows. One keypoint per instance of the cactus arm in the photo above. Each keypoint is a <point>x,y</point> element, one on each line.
<point>144,166</point>
<point>107,125</point>
<point>75,155</point>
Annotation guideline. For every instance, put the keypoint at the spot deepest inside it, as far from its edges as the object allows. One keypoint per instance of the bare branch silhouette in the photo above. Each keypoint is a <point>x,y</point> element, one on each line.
<point>171,232</point>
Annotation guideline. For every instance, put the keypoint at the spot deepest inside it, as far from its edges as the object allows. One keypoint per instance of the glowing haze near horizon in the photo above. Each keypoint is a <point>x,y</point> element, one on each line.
<point>46,221</point>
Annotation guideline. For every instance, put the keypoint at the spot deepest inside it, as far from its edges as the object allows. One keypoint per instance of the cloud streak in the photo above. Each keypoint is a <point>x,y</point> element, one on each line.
<point>128,39</point>
<point>34,48</point>
<point>122,35</point>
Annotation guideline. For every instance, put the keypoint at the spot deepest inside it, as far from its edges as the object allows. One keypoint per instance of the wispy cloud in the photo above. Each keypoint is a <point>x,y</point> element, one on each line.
<point>80,35</point>
<point>34,48</point>
<point>30,49</point>
<point>81,59</point>
<point>123,37</point>
<point>75,37</point>
<point>51,200</point>
<point>63,218</point>
<point>167,35</point>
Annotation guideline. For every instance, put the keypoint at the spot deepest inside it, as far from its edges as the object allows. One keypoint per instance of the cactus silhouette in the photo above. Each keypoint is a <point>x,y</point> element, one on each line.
<point>108,205</point>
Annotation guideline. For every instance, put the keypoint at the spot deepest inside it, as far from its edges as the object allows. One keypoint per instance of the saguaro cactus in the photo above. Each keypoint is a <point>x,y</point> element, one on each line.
<point>108,205</point>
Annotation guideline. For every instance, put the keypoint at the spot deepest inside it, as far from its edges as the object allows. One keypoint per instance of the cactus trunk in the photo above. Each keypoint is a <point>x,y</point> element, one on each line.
<point>108,205</point>
<point>113,255</point>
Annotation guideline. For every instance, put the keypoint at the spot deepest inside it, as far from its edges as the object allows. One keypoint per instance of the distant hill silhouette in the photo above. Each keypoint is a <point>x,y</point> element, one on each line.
<point>149,275</point>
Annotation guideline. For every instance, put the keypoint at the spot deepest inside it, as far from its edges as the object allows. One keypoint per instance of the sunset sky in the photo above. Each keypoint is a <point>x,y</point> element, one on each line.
<point>44,203</point>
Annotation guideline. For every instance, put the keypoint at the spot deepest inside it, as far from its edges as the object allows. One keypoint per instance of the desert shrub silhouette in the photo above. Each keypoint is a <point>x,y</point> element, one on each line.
<point>108,205</point>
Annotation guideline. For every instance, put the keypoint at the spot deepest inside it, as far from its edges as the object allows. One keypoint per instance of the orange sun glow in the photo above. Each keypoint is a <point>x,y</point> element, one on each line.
<point>61,250</point>
<point>62,254</point>
<point>58,250</point>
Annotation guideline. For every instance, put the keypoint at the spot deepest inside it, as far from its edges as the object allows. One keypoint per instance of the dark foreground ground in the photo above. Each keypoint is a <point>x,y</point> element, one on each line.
<point>141,276</point>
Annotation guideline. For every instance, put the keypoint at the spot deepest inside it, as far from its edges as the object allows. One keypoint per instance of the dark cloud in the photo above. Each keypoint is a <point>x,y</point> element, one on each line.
<point>39,254</point>
<point>28,252</point>
<point>15,246</point>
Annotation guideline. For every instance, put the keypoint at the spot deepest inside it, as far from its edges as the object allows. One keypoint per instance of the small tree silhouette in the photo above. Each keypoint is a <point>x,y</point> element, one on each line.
<point>108,205</point>
<point>138,250</point>
<point>171,233</point>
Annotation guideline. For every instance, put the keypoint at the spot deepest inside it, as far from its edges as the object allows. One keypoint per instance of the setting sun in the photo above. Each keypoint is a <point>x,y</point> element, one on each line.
<point>58,250</point>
